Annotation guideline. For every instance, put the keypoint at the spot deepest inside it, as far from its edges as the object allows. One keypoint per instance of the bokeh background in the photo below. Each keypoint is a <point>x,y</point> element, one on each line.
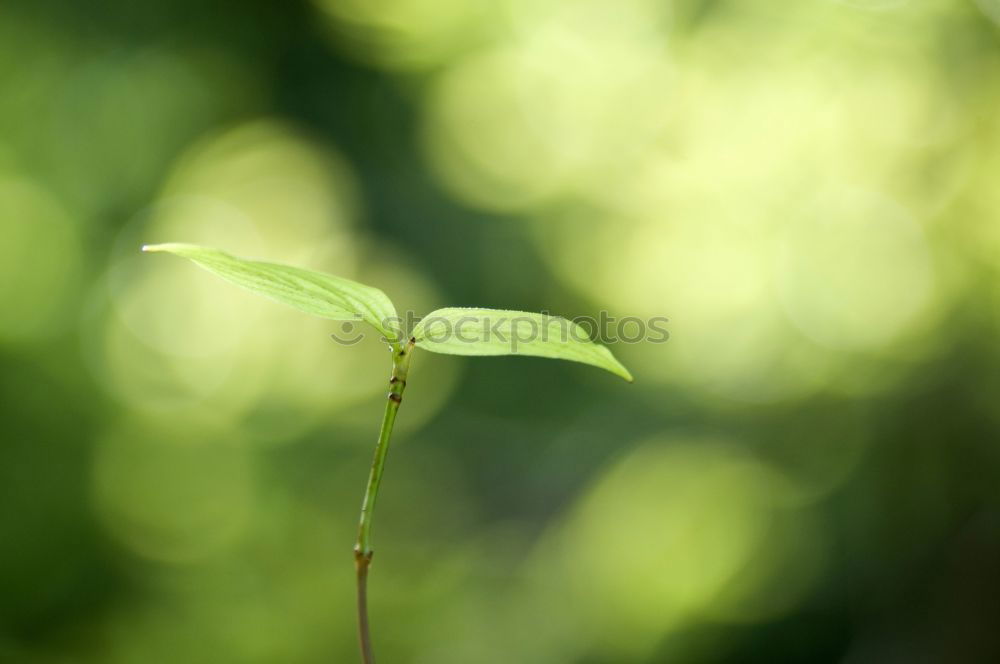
<point>807,471</point>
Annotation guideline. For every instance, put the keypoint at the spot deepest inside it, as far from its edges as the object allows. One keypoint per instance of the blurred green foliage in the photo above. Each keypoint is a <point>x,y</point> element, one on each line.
<point>807,471</point>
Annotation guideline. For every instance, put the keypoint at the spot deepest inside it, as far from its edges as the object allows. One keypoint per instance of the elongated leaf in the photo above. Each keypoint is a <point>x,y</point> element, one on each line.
<point>316,293</point>
<point>459,331</point>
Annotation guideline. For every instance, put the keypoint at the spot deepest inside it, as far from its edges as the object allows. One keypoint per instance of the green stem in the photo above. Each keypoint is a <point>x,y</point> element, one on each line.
<point>363,549</point>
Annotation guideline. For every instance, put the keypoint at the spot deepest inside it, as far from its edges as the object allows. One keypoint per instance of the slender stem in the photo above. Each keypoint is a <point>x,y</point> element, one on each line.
<point>364,632</point>
<point>363,549</point>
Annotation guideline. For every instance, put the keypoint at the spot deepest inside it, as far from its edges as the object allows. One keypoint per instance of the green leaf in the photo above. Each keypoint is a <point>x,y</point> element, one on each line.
<point>316,293</point>
<point>459,331</point>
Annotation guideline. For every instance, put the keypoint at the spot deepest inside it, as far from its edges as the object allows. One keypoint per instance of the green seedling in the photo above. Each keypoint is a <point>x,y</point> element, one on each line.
<point>452,331</point>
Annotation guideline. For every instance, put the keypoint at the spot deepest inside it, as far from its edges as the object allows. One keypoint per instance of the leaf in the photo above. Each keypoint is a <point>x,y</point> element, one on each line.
<point>316,293</point>
<point>460,331</point>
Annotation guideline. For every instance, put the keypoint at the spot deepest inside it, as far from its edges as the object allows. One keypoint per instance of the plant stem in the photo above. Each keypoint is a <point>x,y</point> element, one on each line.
<point>363,549</point>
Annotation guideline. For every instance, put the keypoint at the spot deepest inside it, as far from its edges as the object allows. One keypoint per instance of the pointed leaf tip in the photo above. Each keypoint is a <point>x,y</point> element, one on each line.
<point>179,248</point>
